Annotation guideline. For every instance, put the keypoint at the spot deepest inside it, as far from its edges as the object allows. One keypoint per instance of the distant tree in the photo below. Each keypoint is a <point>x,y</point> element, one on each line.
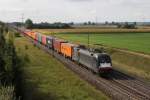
<point>106,22</point>
<point>85,23</point>
<point>126,25</point>
<point>119,25</point>
<point>89,22</point>
<point>18,24</point>
<point>93,23</point>
<point>129,25</point>
<point>72,23</point>
<point>29,24</point>
<point>135,23</point>
<point>113,23</point>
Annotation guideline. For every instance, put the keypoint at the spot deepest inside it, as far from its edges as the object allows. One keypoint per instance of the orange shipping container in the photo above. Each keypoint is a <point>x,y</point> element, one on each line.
<point>34,35</point>
<point>67,49</point>
<point>29,33</point>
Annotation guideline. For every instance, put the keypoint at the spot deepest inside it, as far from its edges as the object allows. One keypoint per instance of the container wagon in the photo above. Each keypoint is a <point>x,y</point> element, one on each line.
<point>57,44</point>
<point>44,39</point>
<point>36,36</point>
<point>67,49</point>
<point>39,37</point>
<point>49,42</point>
<point>29,33</point>
<point>33,35</point>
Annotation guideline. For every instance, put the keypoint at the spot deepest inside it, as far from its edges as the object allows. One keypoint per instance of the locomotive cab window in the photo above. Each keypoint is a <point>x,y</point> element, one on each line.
<point>105,59</point>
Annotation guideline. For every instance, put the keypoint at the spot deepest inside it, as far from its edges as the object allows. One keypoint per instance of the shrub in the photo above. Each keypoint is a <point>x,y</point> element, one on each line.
<point>26,47</point>
<point>17,34</point>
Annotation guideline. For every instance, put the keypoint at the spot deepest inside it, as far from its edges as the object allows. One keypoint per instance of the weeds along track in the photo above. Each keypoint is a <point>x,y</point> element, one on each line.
<point>116,85</point>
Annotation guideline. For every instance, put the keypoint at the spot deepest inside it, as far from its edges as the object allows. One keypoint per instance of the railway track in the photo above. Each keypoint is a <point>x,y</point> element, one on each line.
<point>131,83</point>
<point>116,85</point>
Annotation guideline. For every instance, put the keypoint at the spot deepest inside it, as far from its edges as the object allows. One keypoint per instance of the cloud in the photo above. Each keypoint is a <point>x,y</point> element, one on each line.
<point>80,0</point>
<point>75,10</point>
<point>25,0</point>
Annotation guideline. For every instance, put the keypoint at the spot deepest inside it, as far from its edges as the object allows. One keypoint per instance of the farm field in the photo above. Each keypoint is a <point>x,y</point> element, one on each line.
<point>135,42</point>
<point>94,30</point>
<point>45,78</point>
<point>132,57</point>
<point>125,62</point>
<point>138,42</point>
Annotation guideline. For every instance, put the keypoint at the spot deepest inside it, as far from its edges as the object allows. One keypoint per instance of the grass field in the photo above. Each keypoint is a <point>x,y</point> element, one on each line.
<point>126,62</point>
<point>139,42</point>
<point>123,61</point>
<point>45,78</point>
<point>94,30</point>
<point>130,59</point>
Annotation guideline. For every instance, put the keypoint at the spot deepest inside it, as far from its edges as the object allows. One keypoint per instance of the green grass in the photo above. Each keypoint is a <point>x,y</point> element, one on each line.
<point>7,93</point>
<point>45,78</point>
<point>139,42</point>
<point>131,64</point>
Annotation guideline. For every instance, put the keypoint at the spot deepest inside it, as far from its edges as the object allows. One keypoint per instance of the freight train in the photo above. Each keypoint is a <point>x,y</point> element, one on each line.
<point>97,62</point>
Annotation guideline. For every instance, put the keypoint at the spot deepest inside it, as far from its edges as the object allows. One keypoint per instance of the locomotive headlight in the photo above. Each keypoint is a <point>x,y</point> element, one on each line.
<point>49,41</point>
<point>105,65</point>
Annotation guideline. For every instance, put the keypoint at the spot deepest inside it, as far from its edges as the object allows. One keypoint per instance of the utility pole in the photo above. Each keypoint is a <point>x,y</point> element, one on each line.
<point>96,22</point>
<point>53,43</point>
<point>88,40</point>
<point>22,18</point>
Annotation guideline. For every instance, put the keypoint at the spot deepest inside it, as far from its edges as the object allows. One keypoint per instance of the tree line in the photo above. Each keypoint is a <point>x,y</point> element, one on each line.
<point>43,25</point>
<point>58,25</point>
<point>9,63</point>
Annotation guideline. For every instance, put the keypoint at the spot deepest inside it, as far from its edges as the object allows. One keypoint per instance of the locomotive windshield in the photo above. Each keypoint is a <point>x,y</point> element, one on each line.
<point>104,59</point>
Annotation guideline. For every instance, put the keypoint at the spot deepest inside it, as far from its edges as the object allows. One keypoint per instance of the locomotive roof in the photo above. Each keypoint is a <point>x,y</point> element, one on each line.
<point>87,52</point>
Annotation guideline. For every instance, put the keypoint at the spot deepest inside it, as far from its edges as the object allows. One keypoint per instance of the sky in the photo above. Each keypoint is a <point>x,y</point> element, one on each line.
<point>75,10</point>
